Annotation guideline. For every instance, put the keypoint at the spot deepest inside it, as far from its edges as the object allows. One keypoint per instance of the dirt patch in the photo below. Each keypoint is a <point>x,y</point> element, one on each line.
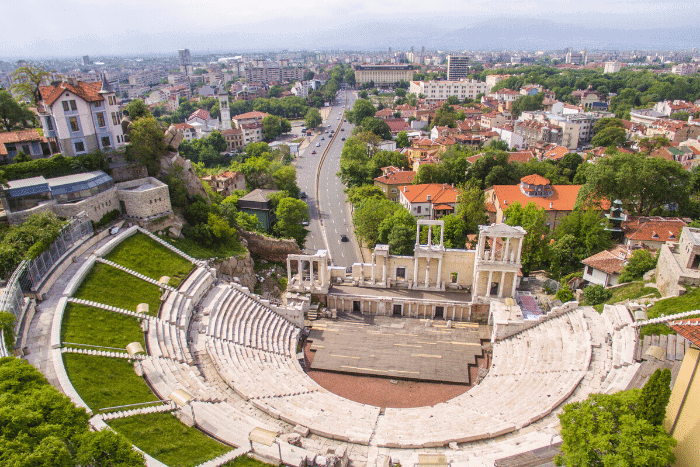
<point>384,392</point>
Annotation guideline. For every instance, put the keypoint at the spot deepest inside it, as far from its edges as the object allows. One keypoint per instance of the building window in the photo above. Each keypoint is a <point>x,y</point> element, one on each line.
<point>400,274</point>
<point>101,119</point>
<point>453,277</point>
<point>25,149</point>
<point>115,120</point>
<point>65,106</point>
<point>98,104</point>
<point>79,146</point>
<point>418,209</point>
<point>73,124</point>
<point>106,142</point>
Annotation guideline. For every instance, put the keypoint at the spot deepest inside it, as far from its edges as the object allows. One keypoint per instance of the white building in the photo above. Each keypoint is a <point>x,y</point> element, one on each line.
<point>612,67</point>
<point>83,117</point>
<point>441,90</point>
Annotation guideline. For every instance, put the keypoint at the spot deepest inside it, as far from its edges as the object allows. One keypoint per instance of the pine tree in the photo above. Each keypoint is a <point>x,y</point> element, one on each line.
<point>655,396</point>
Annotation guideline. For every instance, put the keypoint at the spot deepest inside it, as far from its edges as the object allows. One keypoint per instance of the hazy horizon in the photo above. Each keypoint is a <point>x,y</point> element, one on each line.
<point>83,27</point>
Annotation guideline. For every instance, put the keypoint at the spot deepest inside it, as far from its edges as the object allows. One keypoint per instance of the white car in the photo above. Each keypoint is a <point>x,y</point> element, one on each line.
<point>318,145</point>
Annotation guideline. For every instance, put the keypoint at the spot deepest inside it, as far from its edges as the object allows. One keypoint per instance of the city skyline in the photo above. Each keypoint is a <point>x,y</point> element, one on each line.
<point>81,27</point>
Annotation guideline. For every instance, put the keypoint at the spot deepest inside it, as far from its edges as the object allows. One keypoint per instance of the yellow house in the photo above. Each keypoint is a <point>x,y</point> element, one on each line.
<point>683,410</point>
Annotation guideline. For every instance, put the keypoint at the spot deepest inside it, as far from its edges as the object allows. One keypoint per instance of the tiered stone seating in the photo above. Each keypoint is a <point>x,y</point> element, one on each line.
<point>226,422</point>
<point>254,374</point>
<point>165,376</point>
<point>242,320</point>
<point>167,340</point>
<point>176,309</point>
<point>616,317</point>
<point>532,373</point>
<point>197,283</point>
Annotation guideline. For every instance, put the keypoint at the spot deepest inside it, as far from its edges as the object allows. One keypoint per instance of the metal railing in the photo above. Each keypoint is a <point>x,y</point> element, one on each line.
<point>38,267</point>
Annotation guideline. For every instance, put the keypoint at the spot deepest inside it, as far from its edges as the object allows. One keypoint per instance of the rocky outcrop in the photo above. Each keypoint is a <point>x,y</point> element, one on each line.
<point>171,164</point>
<point>271,249</point>
<point>242,268</point>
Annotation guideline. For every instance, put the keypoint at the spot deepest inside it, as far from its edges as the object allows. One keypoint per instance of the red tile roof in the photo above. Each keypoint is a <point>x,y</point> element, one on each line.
<point>440,193</point>
<point>535,179</point>
<point>404,177</point>
<point>608,261</point>
<point>200,113</point>
<point>249,115</point>
<point>556,153</point>
<point>183,126</point>
<point>86,91</point>
<point>688,328</point>
<point>656,229</point>
<point>563,197</point>
<point>20,136</point>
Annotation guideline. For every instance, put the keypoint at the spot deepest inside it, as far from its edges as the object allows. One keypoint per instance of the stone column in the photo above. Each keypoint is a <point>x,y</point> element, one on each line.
<point>439,277</point>
<point>374,259</point>
<point>520,249</point>
<point>323,266</point>
<point>501,284</point>
<point>289,271</point>
<point>506,253</point>
<point>515,282</point>
<point>475,285</point>
<point>299,273</point>
<point>480,248</point>
<point>488,285</point>
<point>442,235</point>
<point>427,271</point>
<point>415,271</point>
<point>430,235</point>
<point>493,249</point>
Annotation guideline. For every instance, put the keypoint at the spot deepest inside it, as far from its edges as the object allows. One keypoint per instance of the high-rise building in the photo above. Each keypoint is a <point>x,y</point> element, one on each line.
<point>457,67</point>
<point>86,60</point>
<point>185,61</point>
<point>224,109</point>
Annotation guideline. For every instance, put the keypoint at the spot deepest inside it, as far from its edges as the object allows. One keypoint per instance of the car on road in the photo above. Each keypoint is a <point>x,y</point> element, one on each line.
<point>343,138</point>
<point>345,119</point>
<point>304,223</point>
<point>338,118</point>
<point>344,238</point>
<point>342,129</point>
<point>302,195</point>
<point>323,138</point>
<point>318,145</point>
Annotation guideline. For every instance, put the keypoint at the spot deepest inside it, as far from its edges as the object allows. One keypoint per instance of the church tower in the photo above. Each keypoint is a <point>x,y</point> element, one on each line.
<point>224,109</point>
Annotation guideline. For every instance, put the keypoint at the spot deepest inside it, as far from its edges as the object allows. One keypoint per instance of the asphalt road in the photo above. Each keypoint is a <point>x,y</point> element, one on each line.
<point>329,212</point>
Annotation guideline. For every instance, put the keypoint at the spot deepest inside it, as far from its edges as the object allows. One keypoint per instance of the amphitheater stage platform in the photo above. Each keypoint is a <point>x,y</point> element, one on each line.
<point>396,348</point>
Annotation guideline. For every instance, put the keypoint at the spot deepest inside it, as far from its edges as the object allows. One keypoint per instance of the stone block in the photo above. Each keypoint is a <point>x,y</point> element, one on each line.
<point>142,308</point>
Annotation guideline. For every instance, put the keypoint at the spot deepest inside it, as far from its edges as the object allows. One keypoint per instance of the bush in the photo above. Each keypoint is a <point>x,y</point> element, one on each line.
<point>7,327</point>
<point>108,218</point>
<point>57,166</point>
<point>564,295</point>
<point>596,294</point>
<point>639,263</point>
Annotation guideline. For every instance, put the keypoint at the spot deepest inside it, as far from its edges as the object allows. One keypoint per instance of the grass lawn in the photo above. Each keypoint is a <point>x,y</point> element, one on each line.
<point>670,306</point>
<point>108,285</point>
<point>195,250</point>
<point>245,461</point>
<point>164,437</point>
<point>87,325</point>
<point>106,382</point>
<point>143,254</point>
<point>632,290</point>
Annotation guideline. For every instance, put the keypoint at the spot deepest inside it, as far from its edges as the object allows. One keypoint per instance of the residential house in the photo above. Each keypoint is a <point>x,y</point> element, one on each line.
<point>84,117</point>
<point>604,268</point>
<point>430,200</point>
<point>678,266</point>
<point>670,107</point>
<point>226,183</point>
<point>235,139</point>
<point>557,200</point>
<point>507,133</point>
<point>397,125</point>
<point>30,142</point>
<point>258,203</point>
<point>393,180</point>
<point>556,153</point>
<point>588,97</point>
<point>652,232</point>
<point>188,131</point>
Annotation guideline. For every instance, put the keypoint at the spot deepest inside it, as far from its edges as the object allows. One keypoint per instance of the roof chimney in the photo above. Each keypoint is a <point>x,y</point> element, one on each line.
<point>551,205</point>
<point>428,197</point>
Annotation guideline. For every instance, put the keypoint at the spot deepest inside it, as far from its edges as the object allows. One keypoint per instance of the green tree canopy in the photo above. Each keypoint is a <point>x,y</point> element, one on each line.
<point>358,193</point>
<point>313,118</point>
<point>290,213</point>
<point>535,251</point>
<point>579,235</point>
<point>368,216</point>
<point>471,207</point>
<point>137,109</point>
<point>27,80</point>
<point>402,140</point>
<point>377,126</point>
<point>637,265</point>
<point>271,127</point>
<point>146,143</point>
<point>398,230</point>
<point>12,113</point>
<point>361,109</point>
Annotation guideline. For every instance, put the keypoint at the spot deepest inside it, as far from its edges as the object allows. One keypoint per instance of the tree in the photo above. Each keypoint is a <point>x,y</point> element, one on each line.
<point>607,430</point>
<point>402,140</point>
<point>361,110</point>
<point>527,103</point>
<point>430,173</point>
<point>535,250</point>
<point>137,109</point>
<point>377,126</point>
<point>13,113</point>
<point>445,116</point>
<point>596,294</point>
<point>579,235</point>
<point>655,396</point>
<point>271,127</point>
<point>290,213</point>
<point>471,207</point>
<point>27,80</point>
<point>286,180</point>
<point>639,263</point>
<point>358,193</point>
<point>455,232</point>
<point>642,183</point>
<point>368,216</point>
<point>217,141</point>
<point>146,143</point>
<point>21,157</point>
<point>285,126</point>
<point>398,230</point>
<point>107,449</point>
<point>313,118</point>
<point>275,91</point>
<point>610,136</point>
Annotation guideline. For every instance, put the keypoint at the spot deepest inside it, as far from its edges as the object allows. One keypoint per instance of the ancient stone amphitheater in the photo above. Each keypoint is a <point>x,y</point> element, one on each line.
<point>237,358</point>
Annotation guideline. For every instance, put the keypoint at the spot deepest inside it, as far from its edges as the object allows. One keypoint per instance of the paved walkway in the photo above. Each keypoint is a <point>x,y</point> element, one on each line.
<point>39,336</point>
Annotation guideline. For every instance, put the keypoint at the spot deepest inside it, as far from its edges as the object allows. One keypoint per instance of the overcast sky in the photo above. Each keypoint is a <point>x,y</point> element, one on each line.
<point>77,27</point>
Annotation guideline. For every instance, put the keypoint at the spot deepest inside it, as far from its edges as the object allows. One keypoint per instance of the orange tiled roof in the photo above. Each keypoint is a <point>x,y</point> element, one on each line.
<point>608,261</point>
<point>20,136</point>
<point>440,193</point>
<point>563,197</point>
<point>183,126</point>
<point>556,153</point>
<point>253,114</point>
<point>656,229</point>
<point>535,179</point>
<point>86,91</point>
<point>200,113</point>
<point>403,177</point>
<point>688,328</point>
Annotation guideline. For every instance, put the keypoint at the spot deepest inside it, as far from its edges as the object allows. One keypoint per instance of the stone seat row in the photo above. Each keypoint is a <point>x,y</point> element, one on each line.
<point>624,345</point>
<point>242,320</point>
<point>197,283</point>
<point>225,422</point>
<point>167,340</point>
<point>616,317</point>
<point>176,309</point>
<point>165,376</point>
<point>535,371</point>
<point>255,374</point>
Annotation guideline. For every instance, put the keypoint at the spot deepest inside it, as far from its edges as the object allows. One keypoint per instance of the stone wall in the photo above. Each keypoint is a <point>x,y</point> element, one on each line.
<point>144,198</point>
<point>242,268</point>
<point>271,249</point>
<point>171,161</point>
<point>95,206</point>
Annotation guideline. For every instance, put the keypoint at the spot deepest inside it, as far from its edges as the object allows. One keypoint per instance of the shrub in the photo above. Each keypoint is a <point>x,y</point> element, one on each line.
<point>564,295</point>
<point>596,294</point>
<point>7,327</point>
<point>639,263</point>
<point>107,218</point>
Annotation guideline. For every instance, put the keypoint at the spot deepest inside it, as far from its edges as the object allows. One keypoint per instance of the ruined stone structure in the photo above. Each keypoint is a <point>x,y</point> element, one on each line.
<point>679,263</point>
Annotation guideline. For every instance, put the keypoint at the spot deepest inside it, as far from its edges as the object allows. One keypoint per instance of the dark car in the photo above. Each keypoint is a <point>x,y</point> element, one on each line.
<point>344,238</point>
<point>343,138</point>
<point>302,195</point>
<point>313,152</point>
